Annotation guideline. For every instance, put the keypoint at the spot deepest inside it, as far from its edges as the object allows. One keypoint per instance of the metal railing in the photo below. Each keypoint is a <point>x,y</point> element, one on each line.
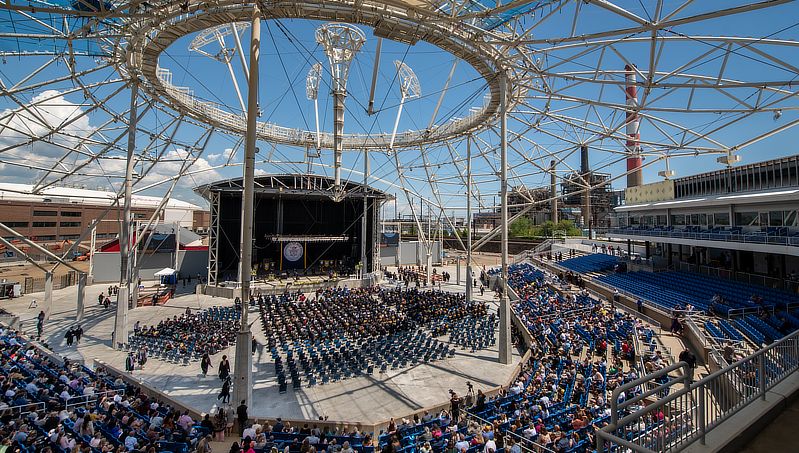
<point>701,406</point>
<point>530,254</point>
<point>24,409</point>
<point>527,445</point>
<point>82,400</point>
<point>756,237</point>
<point>743,277</point>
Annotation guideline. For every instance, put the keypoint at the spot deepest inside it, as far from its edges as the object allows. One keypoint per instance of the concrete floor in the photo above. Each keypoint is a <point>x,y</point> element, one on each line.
<point>366,399</point>
<point>778,437</point>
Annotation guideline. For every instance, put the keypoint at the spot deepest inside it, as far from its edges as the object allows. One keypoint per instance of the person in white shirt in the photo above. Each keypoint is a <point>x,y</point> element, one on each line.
<point>248,432</point>
<point>529,432</point>
<point>490,446</point>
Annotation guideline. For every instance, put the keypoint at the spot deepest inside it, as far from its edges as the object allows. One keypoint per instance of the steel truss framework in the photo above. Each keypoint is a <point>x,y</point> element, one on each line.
<point>65,90</point>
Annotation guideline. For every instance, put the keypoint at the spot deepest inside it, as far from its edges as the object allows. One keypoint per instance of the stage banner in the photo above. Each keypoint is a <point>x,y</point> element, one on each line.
<point>292,254</point>
<point>389,240</point>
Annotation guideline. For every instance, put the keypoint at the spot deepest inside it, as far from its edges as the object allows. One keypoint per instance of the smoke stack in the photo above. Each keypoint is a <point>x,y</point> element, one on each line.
<point>635,178</point>
<point>584,159</point>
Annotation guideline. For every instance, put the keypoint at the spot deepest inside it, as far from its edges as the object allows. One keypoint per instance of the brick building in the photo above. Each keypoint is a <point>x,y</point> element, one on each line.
<point>62,213</point>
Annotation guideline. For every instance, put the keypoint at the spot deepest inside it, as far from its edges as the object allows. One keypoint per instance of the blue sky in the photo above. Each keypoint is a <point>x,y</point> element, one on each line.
<point>288,50</point>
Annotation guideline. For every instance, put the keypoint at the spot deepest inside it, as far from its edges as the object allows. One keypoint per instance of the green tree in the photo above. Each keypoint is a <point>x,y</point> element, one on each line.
<point>548,228</point>
<point>569,228</point>
<point>520,228</point>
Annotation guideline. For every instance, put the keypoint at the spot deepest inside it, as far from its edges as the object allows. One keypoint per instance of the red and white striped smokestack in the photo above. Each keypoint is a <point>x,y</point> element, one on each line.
<point>633,148</point>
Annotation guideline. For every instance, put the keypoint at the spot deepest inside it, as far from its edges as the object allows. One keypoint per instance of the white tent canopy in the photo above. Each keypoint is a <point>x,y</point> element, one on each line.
<point>165,272</point>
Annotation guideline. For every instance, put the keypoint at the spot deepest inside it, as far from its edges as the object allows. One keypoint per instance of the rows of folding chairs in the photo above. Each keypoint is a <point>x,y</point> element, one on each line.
<point>344,358</point>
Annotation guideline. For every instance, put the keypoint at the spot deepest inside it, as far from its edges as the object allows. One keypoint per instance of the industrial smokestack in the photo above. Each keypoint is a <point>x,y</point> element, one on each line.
<point>584,159</point>
<point>635,178</point>
<point>554,191</point>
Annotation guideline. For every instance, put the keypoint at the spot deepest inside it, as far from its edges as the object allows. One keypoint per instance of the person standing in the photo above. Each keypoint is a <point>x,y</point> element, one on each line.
<point>224,368</point>
<point>688,357</point>
<point>101,298</point>
<point>640,304</point>
<point>78,333</point>
<point>69,336</point>
<point>40,324</point>
<point>205,363</point>
<point>241,413</point>
<point>254,345</point>
<point>220,422</point>
<point>142,357</point>
<point>130,363</point>
<point>230,417</point>
<point>455,407</point>
<point>224,394</point>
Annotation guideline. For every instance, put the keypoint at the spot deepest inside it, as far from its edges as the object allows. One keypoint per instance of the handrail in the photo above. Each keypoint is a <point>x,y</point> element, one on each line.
<point>37,404</point>
<point>521,441</point>
<point>738,384</point>
<point>699,333</point>
<point>653,324</point>
<point>86,399</point>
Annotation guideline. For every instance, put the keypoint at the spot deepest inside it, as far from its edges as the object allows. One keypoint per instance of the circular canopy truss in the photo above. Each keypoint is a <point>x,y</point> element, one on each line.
<point>69,66</point>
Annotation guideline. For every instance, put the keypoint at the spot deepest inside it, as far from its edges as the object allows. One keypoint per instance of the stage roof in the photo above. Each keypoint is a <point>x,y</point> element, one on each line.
<point>293,186</point>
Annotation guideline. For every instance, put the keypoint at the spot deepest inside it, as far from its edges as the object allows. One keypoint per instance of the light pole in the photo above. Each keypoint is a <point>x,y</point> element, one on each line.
<point>341,42</point>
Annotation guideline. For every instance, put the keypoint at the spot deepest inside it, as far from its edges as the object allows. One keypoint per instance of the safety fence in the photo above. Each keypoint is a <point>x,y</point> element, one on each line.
<point>37,284</point>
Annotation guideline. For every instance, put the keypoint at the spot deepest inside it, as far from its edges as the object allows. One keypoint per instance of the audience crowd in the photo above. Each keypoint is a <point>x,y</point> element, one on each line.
<point>53,405</point>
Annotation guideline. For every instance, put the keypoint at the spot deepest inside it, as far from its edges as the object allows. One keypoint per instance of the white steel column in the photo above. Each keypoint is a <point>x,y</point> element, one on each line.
<point>92,245</point>
<point>120,334</point>
<point>81,296</point>
<point>504,305</point>
<point>469,282</point>
<point>242,387</point>
<point>365,213</point>
<point>48,294</point>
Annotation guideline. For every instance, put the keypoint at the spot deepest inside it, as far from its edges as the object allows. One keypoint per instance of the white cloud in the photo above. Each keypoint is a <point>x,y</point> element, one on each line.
<point>260,172</point>
<point>218,157</point>
<point>46,111</point>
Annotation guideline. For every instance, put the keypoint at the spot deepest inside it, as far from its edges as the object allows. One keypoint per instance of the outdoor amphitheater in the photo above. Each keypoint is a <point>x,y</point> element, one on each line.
<point>403,227</point>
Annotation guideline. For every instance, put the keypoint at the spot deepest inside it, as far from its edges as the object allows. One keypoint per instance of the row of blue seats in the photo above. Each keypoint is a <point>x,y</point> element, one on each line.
<point>597,262</point>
